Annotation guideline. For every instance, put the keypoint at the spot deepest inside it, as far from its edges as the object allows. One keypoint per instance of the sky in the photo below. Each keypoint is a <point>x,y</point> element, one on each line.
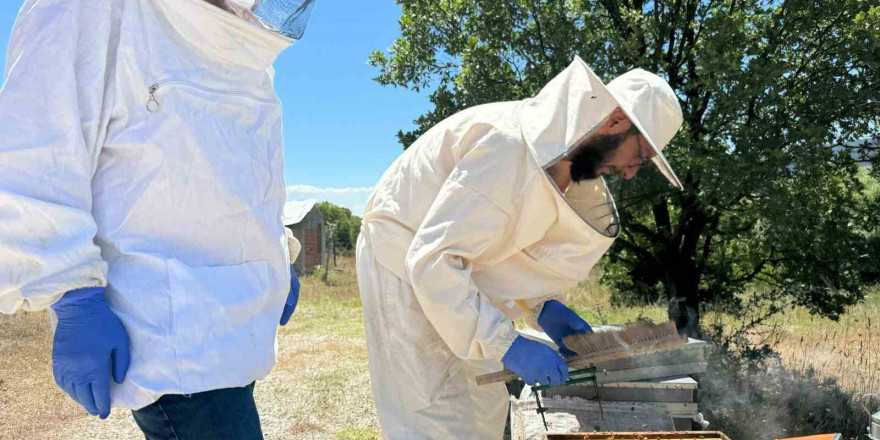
<point>339,125</point>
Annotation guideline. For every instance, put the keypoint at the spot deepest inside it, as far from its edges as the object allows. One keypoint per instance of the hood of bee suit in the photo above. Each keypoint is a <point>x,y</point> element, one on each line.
<point>570,108</point>
<point>576,103</point>
<point>220,35</point>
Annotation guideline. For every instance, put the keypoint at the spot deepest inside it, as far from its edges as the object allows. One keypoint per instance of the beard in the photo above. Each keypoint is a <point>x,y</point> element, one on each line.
<point>593,154</point>
<point>220,4</point>
<point>235,9</point>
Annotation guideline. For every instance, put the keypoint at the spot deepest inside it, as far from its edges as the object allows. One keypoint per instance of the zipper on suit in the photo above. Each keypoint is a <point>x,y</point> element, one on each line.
<point>153,105</point>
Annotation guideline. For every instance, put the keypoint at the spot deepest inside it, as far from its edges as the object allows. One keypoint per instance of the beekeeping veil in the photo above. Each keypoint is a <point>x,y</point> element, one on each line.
<point>575,104</point>
<point>286,17</point>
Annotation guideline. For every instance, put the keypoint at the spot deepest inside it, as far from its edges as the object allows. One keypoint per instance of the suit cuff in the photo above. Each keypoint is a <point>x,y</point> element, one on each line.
<point>532,318</point>
<point>499,345</point>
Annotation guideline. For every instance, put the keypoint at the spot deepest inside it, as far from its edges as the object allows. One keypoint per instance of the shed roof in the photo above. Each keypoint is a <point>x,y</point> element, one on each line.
<point>296,210</point>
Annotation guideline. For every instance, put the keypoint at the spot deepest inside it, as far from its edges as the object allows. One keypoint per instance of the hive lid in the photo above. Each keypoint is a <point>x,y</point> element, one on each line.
<point>664,435</point>
<point>816,437</point>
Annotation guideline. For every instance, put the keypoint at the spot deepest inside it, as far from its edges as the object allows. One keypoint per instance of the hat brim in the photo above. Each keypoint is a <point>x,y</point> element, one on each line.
<point>659,160</point>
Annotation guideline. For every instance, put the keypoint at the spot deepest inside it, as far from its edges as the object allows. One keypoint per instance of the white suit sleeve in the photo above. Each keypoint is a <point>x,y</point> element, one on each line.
<point>460,227</point>
<point>52,114</point>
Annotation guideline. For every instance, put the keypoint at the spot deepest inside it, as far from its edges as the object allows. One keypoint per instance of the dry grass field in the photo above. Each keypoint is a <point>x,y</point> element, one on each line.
<point>320,387</point>
<point>847,350</point>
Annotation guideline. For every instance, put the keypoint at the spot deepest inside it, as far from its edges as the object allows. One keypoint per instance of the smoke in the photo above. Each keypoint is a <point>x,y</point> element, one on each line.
<point>751,400</point>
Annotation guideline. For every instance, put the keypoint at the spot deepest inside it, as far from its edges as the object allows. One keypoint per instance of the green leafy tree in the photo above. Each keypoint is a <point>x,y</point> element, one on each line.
<point>872,199</point>
<point>775,95</point>
<point>348,226</point>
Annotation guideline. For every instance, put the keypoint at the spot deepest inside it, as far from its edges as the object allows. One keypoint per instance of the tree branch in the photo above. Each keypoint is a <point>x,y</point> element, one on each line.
<point>661,218</point>
<point>758,269</point>
<point>707,246</point>
<point>643,230</point>
<point>613,9</point>
<point>815,46</point>
<point>535,17</point>
<point>638,250</point>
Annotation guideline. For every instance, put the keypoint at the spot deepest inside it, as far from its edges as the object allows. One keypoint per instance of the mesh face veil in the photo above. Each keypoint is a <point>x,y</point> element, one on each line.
<point>592,201</point>
<point>286,17</point>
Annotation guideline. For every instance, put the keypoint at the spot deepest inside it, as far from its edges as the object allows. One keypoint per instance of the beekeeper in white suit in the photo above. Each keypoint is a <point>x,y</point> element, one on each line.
<point>496,209</point>
<point>141,191</point>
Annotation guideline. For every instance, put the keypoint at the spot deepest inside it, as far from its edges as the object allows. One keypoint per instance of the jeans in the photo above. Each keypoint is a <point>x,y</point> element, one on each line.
<point>226,414</point>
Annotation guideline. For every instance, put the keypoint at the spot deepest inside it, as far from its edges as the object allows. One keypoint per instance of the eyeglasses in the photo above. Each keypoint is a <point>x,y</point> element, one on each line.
<point>642,156</point>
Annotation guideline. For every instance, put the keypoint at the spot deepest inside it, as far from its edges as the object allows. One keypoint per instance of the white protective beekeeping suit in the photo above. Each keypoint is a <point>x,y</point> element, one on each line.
<point>462,226</point>
<point>142,150</point>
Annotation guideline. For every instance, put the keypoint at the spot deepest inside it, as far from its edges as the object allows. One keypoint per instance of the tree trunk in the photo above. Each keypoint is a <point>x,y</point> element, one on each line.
<point>683,304</point>
<point>686,314</point>
<point>681,274</point>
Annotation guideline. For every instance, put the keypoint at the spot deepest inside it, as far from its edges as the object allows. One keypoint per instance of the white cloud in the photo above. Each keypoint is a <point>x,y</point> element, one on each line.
<point>308,189</point>
<point>353,198</point>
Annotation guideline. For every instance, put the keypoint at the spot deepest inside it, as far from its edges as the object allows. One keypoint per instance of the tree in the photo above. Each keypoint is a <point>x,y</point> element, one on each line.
<point>347,227</point>
<point>774,94</point>
<point>872,199</point>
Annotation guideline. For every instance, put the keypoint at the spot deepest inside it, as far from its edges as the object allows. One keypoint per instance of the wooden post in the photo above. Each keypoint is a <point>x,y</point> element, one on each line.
<point>333,243</point>
<point>330,230</point>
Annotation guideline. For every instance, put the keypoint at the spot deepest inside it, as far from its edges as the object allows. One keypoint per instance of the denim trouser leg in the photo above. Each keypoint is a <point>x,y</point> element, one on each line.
<point>227,414</point>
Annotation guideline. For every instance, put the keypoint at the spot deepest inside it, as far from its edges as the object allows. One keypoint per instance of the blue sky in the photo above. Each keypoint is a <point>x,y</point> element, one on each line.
<point>339,125</point>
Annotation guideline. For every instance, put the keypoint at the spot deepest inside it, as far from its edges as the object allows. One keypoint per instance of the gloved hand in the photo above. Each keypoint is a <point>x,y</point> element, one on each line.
<point>90,343</point>
<point>558,321</point>
<point>535,362</point>
<point>292,297</point>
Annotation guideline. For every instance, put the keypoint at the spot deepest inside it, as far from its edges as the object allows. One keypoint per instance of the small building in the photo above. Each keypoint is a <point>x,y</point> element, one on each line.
<point>304,219</point>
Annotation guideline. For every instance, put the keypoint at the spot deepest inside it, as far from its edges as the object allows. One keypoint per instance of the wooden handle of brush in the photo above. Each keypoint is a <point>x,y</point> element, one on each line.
<point>498,376</point>
<point>603,356</point>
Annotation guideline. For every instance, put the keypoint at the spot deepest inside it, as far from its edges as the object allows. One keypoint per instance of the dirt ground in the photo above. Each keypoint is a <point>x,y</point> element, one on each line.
<point>319,389</point>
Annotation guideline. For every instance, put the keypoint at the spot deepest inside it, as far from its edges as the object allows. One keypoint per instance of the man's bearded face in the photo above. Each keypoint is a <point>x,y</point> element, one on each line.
<point>595,153</point>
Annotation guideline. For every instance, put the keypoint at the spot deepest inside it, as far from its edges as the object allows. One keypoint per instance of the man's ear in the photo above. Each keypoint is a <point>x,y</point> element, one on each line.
<point>618,122</point>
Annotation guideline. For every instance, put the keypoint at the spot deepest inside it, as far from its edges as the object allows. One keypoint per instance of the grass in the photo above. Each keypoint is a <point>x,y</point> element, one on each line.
<point>358,434</point>
<point>592,301</point>
<point>321,379</point>
<point>847,350</point>
<point>320,388</point>
<point>826,376</point>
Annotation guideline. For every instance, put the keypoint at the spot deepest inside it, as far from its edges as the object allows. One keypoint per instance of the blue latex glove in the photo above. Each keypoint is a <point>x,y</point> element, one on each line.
<point>558,321</point>
<point>292,297</point>
<point>535,362</point>
<point>90,343</point>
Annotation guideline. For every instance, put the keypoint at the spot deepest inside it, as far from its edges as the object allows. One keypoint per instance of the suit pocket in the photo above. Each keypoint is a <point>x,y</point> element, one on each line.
<point>221,314</point>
